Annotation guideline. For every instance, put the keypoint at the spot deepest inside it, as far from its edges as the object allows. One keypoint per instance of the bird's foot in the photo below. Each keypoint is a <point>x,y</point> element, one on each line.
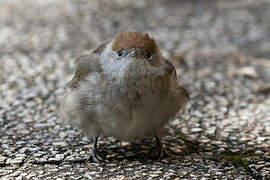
<point>95,157</point>
<point>159,149</point>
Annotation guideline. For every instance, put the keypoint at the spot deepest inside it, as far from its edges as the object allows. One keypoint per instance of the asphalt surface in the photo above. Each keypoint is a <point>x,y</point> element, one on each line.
<point>220,49</point>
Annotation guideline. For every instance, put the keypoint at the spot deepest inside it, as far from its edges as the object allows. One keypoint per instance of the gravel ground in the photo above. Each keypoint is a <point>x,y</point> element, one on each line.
<point>220,49</point>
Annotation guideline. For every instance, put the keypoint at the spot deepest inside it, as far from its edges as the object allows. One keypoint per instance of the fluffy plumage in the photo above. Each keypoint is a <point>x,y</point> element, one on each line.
<point>134,40</point>
<point>127,97</point>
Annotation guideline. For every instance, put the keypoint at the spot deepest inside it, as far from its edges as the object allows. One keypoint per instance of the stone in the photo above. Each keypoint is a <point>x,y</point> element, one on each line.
<point>196,130</point>
<point>2,160</point>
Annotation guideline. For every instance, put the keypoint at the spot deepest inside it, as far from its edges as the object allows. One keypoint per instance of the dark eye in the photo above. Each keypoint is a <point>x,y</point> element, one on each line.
<point>149,55</point>
<point>120,53</point>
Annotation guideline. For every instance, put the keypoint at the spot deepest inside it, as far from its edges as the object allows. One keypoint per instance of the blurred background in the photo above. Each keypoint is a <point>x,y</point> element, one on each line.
<point>42,37</point>
<point>221,49</point>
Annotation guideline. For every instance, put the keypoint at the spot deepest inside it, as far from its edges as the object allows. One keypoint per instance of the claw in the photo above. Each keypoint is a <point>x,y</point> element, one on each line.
<point>94,155</point>
<point>96,158</point>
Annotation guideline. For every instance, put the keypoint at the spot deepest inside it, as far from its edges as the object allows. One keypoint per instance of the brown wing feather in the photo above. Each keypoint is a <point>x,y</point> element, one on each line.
<point>184,92</point>
<point>86,64</point>
<point>83,66</point>
<point>171,69</point>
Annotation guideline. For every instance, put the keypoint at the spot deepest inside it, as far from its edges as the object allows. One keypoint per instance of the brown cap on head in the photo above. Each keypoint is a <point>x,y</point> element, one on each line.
<point>134,40</point>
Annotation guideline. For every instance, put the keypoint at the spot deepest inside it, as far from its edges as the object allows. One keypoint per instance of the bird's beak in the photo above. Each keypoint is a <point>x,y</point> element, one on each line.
<point>132,52</point>
<point>137,52</point>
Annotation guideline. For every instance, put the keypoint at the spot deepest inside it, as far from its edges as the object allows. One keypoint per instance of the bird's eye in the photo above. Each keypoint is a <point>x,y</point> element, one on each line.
<point>120,53</point>
<point>149,55</point>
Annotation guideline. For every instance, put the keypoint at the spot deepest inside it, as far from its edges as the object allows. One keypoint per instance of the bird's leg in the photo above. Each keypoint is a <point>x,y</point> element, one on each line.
<point>94,155</point>
<point>158,147</point>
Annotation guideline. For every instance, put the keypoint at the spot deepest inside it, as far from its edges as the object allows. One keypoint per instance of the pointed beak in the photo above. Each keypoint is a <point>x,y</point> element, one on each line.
<point>132,52</point>
<point>137,52</point>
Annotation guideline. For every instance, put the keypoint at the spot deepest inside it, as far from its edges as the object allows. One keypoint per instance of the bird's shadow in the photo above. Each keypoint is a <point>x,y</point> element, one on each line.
<point>146,149</point>
<point>176,149</point>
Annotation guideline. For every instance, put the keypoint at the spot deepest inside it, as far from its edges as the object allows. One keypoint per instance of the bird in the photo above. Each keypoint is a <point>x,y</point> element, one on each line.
<point>124,88</point>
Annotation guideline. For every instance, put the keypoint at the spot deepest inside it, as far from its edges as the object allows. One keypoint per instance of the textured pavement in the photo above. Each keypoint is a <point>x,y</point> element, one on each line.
<point>220,49</point>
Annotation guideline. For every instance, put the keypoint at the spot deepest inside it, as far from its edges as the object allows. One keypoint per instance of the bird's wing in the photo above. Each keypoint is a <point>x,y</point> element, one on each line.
<point>182,91</point>
<point>86,64</point>
<point>170,68</point>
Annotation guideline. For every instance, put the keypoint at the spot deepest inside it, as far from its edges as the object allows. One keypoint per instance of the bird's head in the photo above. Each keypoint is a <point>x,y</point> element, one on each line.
<point>129,52</point>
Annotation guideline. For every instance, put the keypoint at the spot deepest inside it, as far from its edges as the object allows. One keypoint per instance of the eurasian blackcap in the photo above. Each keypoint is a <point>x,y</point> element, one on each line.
<point>124,89</point>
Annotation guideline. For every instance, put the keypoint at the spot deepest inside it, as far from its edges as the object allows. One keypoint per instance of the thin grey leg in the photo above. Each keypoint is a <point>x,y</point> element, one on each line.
<point>94,155</point>
<point>159,148</point>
